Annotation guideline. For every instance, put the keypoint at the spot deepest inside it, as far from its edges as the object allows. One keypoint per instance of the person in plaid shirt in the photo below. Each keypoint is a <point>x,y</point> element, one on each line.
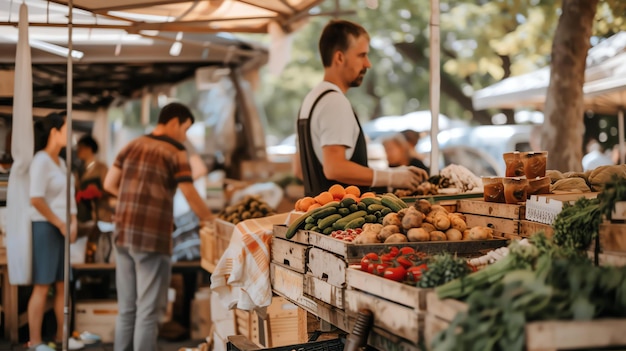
<point>144,177</point>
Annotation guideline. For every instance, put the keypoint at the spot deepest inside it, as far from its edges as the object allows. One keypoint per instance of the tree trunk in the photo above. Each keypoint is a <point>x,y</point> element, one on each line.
<point>563,129</point>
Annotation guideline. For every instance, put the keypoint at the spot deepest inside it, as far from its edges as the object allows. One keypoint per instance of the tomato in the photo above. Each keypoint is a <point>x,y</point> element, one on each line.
<point>472,268</point>
<point>404,261</point>
<point>394,251</point>
<point>371,267</point>
<point>387,257</point>
<point>406,251</point>
<point>359,230</point>
<point>367,259</point>
<point>380,268</point>
<point>395,273</point>
<point>414,274</point>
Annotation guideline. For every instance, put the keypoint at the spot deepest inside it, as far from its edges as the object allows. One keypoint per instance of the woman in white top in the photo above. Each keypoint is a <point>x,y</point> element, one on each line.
<point>48,188</point>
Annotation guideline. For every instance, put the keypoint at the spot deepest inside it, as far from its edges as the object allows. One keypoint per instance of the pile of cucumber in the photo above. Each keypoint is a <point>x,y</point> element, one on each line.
<point>347,214</point>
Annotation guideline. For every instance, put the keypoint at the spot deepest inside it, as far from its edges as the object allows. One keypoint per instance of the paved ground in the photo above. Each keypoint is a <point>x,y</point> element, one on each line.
<point>163,346</point>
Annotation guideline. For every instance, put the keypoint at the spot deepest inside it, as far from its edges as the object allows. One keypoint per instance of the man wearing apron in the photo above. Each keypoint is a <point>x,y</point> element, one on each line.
<point>331,143</point>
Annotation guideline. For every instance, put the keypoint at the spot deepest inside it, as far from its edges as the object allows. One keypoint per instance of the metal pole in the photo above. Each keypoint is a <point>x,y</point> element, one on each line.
<point>68,162</point>
<point>620,127</point>
<point>435,82</point>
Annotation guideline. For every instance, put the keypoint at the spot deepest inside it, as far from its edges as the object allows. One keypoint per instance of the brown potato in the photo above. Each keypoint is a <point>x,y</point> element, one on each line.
<point>457,223</point>
<point>366,238</point>
<point>423,206</point>
<point>480,233</point>
<point>466,234</point>
<point>454,234</point>
<point>412,219</point>
<point>438,236</point>
<point>392,219</point>
<point>418,234</point>
<point>388,231</point>
<point>397,238</point>
<point>442,222</point>
<point>435,208</point>
<point>428,227</point>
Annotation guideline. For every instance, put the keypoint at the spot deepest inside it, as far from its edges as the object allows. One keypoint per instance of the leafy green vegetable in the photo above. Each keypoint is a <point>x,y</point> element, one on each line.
<point>614,191</point>
<point>442,269</point>
<point>577,225</point>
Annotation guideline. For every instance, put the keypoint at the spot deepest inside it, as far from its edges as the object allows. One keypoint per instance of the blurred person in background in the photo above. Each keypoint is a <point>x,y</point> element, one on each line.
<point>595,156</point>
<point>412,137</point>
<point>92,171</point>
<point>48,197</point>
<point>400,153</point>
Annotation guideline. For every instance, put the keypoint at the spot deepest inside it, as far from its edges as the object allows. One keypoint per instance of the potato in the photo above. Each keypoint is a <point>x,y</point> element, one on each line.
<point>466,234</point>
<point>458,215</point>
<point>402,213</point>
<point>412,219</point>
<point>366,238</point>
<point>397,238</point>
<point>392,219</point>
<point>428,227</point>
<point>457,223</point>
<point>480,233</point>
<point>442,222</point>
<point>388,231</point>
<point>418,234</point>
<point>454,234</point>
<point>372,227</point>
<point>423,206</point>
<point>438,236</point>
<point>435,208</point>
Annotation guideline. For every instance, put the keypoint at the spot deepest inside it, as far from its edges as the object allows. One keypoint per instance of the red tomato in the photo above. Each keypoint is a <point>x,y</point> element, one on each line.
<point>371,267</point>
<point>406,250</point>
<point>395,273</point>
<point>380,268</point>
<point>388,257</point>
<point>404,261</point>
<point>367,260</point>
<point>394,251</point>
<point>414,274</point>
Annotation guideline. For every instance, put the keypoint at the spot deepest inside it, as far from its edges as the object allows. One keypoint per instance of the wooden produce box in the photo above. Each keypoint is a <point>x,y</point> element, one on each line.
<point>289,253</point>
<point>302,236</point>
<point>568,335</point>
<point>440,313</point>
<point>398,308</point>
<point>98,317</point>
<point>545,208</point>
<point>504,219</point>
<point>353,253</point>
<point>529,228</point>
<point>213,246</point>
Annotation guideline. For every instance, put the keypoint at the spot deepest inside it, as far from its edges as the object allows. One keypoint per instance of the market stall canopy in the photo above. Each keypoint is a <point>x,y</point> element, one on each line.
<point>122,46</point>
<point>604,89</point>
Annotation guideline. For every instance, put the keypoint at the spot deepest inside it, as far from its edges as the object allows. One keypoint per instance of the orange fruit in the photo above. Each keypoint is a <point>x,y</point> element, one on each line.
<point>324,198</point>
<point>305,202</point>
<point>367,194</point>
<point>351,196</point>
<point>337,191</point>
<point>313,206</point>
<point>297,205</point>
<point>354,190</point>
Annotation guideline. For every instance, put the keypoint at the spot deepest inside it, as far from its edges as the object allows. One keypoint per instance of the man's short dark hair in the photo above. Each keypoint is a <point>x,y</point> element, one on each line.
<point>336,37</point>
<point>175,110</point>
<point>90,142</point>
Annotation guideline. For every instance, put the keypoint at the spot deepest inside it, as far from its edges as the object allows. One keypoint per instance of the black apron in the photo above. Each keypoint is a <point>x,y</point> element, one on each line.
<point>315,181</point>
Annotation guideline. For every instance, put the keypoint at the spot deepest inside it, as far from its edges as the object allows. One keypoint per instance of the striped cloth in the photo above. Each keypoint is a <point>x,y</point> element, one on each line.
<point>242,276</point>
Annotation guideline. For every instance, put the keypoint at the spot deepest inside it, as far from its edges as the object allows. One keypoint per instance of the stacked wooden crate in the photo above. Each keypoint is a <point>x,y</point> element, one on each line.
<point>504,219</point>
<point>440,313</point>
<point>214,244</point>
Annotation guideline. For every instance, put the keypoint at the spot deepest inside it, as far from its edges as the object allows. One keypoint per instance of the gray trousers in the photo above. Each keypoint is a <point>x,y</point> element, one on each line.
<point>142,280</point>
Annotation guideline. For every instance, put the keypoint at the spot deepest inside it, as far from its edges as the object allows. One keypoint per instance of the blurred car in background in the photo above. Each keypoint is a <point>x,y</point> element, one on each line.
<point>479,148</point>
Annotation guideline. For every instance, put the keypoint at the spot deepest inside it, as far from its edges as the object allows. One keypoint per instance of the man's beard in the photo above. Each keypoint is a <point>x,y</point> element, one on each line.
<point>358,80</point>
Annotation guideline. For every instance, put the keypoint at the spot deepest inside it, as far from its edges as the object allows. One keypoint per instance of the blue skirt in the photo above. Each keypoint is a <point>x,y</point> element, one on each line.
<point>48,253</point>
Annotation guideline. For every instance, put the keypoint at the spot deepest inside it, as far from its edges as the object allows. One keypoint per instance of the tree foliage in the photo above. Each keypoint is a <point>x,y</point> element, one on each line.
<point>483,41</point>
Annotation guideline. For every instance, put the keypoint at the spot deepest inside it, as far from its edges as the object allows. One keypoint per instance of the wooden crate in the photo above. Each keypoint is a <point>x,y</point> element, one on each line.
<point>213,245</point>
<point>353,253</point>
<point>398,308</point>
<point>612,237</point>
<point>565,335</point>
<point>440,314</point>
<point>491,209</point>
<point>302,236</point>
<point>545,208</point>
<point>528,228</point>
<point>327,266</point>
<point>323,291</point>
<point>501,226</point>
<point>286,323</point>
<point>289,253</point>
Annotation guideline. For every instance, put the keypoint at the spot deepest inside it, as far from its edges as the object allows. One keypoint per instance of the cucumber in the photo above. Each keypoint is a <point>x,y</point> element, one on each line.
<point>370,218</point>
<point>347,202</point>
<point>317,229</point>
<point>343,211</point>
<point>341,224</point>
<point>371,201</point>
<point>354,208</point>
<point>309,220</point>
<point>374,207</point>
<point>308,226</point>
<point>380,220</point>
<point>385,211</point>
<point>362,206</point>
<point>327,231</point>
<point>379,214</point>
<point>327,211</point>
<point>394,203</point>
<point>328,221</point>
<point>355,223</point>
<point>301,221</point>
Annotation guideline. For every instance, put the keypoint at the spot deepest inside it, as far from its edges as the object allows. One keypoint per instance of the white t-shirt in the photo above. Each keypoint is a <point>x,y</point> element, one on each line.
<point>333,119</point>
<point>48,180</point>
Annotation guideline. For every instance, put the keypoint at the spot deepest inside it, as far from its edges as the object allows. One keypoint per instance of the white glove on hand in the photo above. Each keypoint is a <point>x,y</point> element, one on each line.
<point>399,178</point>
